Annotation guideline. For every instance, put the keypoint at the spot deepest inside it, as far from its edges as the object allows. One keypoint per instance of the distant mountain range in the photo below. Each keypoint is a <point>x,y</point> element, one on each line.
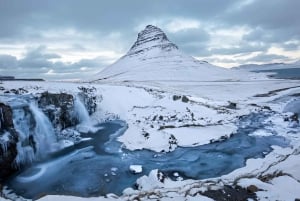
<point>271,66</point>
<point>275,70</point>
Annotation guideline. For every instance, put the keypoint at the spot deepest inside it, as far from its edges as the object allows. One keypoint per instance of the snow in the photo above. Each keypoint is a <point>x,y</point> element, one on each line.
<point>284,188</point>
<point>136,169</point>
<point>196,136</point>
<point>140,89</point>
<point>137,105</point>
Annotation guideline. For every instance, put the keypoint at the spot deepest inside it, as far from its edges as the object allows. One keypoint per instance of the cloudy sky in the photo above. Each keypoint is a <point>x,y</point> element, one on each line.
<point>76,38</point>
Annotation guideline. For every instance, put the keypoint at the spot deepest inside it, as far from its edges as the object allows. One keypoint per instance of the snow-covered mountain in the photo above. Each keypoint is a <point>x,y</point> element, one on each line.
<point>153,57</point>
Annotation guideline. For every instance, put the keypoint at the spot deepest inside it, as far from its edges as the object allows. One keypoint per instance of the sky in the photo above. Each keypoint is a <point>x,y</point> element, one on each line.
<point>71,39</point>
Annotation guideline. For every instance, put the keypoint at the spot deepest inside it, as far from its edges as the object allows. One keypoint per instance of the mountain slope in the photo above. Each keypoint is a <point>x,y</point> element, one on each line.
<point>153,57</point>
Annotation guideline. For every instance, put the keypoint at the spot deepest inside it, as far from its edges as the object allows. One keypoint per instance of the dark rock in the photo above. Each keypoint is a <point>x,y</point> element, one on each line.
<point>295,117</point>
<point>8,142</point>
<point>146,135</point>
<point>175,97</point>
<point>266,108</point>
<point>59,108</point>
<point>252,189</point>
<point>185,99</point>
<point>6,117</point>
<point>269,177</point>
<point>229,193</point>
<point>89,98</point>
<point>18,91</point>
<point>149,38</point>
<point>292,118</point>
<point>231,105</point>
<point>154,118</point>
<point>160,176</point>
<point>166,126</point>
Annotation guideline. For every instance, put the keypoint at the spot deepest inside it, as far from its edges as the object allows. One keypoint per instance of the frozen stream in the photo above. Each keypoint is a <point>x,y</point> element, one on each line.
<point>100,166</point>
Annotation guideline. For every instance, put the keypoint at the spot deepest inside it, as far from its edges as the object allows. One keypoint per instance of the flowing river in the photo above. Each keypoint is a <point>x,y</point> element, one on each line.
<point>100,165</point>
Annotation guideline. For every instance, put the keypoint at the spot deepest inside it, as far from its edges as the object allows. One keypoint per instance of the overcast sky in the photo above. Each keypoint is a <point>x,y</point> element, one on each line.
<point>76,38</point>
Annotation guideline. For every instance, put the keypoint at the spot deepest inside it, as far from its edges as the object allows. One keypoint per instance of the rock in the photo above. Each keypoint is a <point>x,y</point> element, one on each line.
<point>252,189</point>
<point>266,108</point>
<point>231,105</point>
<point>18,91</point>
<point>6,117</point>
<point>160,176</point>
<point>136,169</point>
<point>229,193</point>
<point>89,98</point>
<point>59,108</point>
<point>175,97</point>
<point>185,99</point>
<point>295,117</point>
<point>8,142</point>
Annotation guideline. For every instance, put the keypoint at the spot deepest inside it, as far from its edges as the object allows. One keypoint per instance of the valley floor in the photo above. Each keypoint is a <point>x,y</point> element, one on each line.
<point>165,115</point>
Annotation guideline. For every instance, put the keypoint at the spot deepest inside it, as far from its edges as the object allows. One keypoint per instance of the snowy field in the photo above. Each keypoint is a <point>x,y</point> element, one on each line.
<point>191,114</point>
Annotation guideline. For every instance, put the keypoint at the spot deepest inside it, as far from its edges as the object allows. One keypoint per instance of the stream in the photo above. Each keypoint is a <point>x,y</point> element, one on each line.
<point>100,165</point>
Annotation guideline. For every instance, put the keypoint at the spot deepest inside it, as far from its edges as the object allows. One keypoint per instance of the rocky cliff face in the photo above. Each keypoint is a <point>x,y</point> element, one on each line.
<point>150,38</point>
<point>59,109</point>
<point>8,142</point>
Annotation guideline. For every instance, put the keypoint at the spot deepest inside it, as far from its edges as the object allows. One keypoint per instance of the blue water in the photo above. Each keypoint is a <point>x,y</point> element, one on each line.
<point>101,165</point>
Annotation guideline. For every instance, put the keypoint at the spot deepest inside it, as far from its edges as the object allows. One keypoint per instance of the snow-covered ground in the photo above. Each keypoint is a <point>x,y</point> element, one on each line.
<point>194,114</point>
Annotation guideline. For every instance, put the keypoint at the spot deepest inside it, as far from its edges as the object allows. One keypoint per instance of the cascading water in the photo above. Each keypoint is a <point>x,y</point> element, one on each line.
<point>36,133</point>
<point>81,111</point>
<point>44,131</point>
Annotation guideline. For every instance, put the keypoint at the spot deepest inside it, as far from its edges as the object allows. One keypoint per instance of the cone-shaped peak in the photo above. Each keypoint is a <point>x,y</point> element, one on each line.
<point>150,38</point>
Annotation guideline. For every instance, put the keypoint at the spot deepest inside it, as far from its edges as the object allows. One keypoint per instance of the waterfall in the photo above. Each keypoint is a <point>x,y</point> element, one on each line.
<point>44,131</point>
<point>36,133</point>
<point>81,112</point>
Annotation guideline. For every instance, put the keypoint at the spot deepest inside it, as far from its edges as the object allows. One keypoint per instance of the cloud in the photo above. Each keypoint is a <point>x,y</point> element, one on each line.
<point>37,62</point>
<point>7,61</point>
<point>260,58</point>
<point>85,34</point>
<point>181,25</point>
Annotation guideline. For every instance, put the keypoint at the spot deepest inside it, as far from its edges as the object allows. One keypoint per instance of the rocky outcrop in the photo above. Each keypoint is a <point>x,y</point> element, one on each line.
<point>8,142</point>
<point>149,38</point>
<point>59,108</point>
<point>89,98</point>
